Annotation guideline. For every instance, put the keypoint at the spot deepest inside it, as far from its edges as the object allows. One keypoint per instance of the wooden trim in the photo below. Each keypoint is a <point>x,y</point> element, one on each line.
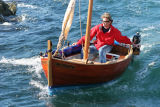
<point>50,78</point>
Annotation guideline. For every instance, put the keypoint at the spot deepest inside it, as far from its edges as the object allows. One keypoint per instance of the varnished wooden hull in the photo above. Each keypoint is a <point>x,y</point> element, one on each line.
<point>72,73</point>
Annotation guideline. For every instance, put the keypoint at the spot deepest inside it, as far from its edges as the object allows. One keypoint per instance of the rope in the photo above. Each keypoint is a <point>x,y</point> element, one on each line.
<point>63,57</point>
<point>61,39</point>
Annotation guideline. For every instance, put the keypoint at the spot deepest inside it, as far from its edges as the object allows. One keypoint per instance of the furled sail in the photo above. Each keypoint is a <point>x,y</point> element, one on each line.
<point>67,21</point>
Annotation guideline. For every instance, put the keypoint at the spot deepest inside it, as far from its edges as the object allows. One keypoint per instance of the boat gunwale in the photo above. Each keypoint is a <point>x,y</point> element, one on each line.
<point>130,53</point>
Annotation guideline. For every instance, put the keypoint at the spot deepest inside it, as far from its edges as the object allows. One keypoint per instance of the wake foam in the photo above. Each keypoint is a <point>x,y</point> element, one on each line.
<point>34,63</point>
<point>43,88</point>
<point>24,61</point>
<point>34,67</point>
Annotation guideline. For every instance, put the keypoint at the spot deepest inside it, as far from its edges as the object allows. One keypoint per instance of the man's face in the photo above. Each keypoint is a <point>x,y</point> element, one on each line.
<point>106,22</point>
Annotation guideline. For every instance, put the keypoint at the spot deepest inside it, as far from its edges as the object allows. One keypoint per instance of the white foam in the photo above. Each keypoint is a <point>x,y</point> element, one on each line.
<point>34,66</point>
<point>144,34</point>
<point>6,24</point>
<point>146,48</point>
<point>23,61</point>
<point>43,88</point>
<point>34,63</point>
<point>151,64</point>
<point>64,1</point>
<point>38,85</point>
<point>142,47</point>
<point>142,73</point>
<point>148,28</point>
<point>26,5</point>
<point>23,17</point>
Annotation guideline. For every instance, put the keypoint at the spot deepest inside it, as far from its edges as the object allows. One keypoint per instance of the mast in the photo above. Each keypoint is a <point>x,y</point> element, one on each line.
<point>88,27</point>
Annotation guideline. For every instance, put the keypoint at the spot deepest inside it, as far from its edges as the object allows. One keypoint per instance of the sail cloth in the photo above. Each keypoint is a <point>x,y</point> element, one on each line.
<point>67,21</point>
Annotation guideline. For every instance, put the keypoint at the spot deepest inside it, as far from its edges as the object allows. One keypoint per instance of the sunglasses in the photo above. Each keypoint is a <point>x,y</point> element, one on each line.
<point>105,21</point>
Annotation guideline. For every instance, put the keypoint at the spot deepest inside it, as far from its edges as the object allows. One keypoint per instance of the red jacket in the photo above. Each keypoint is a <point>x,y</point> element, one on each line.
<point>105,38</point>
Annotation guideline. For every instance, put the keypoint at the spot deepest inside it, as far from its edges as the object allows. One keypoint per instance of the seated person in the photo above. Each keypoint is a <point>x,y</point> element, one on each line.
<point>105,34</point>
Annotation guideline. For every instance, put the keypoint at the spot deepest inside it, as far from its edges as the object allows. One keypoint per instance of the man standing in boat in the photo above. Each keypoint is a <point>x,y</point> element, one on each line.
<point>106,35</point>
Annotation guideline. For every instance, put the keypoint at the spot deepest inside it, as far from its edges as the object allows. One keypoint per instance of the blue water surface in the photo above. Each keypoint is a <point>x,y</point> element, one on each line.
<point>23,83</point>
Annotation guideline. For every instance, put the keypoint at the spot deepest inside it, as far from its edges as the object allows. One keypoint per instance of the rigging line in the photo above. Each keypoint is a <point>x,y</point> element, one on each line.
<point>63,57</point>
<point>80,20</point>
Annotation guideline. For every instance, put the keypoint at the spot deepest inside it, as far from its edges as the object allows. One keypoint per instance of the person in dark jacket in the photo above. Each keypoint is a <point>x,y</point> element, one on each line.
<point>105,34</point>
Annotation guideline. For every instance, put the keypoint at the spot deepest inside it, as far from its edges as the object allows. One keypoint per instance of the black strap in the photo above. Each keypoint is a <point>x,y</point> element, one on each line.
<point>49,50</point>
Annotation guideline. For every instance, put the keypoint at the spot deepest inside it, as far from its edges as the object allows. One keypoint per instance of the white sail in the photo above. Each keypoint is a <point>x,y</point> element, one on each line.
<point>67,21</point>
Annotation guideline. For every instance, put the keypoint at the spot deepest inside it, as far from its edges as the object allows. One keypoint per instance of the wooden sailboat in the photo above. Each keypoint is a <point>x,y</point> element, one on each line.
<point>73,71</point>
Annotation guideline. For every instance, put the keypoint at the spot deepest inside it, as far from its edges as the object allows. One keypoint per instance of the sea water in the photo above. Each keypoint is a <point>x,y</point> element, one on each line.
<point>23,83</point>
